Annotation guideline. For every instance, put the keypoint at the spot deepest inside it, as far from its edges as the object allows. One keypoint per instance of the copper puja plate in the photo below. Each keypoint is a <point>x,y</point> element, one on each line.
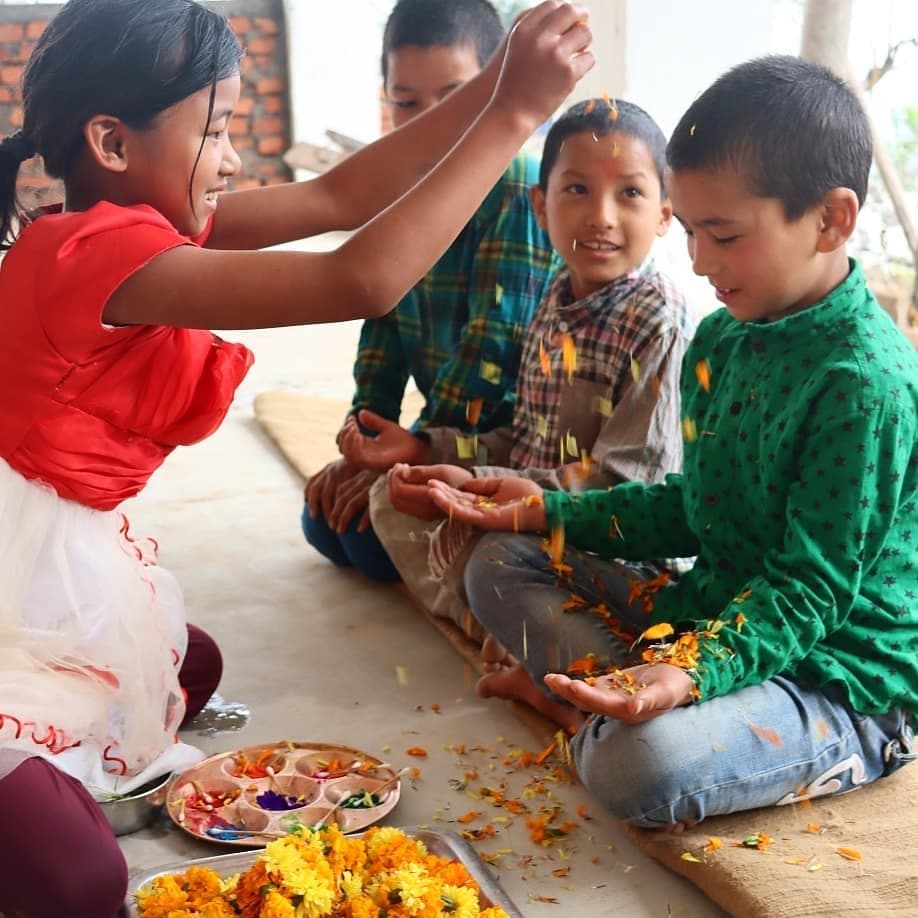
<point>249,796</point>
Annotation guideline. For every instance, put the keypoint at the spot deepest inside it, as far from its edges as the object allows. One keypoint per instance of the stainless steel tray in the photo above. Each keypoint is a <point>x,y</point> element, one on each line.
<point>441,843</point>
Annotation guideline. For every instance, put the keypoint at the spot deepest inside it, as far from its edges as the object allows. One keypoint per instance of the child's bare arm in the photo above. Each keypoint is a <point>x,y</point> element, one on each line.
<point>343,198</point>
<point>368,275</point>
<point>367,181</point>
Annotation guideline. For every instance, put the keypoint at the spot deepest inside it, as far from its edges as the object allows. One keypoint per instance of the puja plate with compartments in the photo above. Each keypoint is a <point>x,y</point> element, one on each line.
<point>249,796</point>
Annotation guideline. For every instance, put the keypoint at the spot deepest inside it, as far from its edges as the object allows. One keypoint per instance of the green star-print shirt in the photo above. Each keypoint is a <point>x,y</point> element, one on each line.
<point>799,495</point>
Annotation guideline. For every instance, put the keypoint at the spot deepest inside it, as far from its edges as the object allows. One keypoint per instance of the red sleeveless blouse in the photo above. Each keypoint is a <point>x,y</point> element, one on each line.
<point>89,409</point>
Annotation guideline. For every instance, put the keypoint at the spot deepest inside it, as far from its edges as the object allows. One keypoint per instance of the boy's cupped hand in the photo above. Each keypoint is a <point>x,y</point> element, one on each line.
<point>662,687</point>
<point>409,493</point>
<point>547,53</point>
<point>390,445</point>
<point>503,504</point>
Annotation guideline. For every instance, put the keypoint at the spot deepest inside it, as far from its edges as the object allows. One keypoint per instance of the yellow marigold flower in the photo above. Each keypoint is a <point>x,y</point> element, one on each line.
<point>311,841</point>
<point>350,884</point>
<point>280,858</point>
<point>297,865</point>
<point>228,884</point>
<point>493,912</point>
<point>318,893</point>
<point>461,901</point>
<point>418,893</point>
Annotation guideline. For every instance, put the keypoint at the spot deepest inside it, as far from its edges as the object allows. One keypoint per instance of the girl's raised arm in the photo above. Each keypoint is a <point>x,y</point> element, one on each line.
<point>358,188</point>
<point>368,274</point>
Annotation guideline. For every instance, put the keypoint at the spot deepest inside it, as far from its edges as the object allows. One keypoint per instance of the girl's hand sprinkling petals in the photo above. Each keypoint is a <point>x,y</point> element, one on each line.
<point>547,53</point>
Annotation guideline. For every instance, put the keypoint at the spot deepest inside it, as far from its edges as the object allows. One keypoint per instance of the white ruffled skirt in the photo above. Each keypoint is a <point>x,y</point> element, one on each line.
<point>92,634</point>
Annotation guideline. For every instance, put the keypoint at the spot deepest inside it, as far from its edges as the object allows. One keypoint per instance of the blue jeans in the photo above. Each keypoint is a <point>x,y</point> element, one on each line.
<point>766,745</point>
<point>360,550</point>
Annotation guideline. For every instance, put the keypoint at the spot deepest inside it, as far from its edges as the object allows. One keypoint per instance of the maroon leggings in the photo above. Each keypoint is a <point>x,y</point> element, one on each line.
<point>60,856</point>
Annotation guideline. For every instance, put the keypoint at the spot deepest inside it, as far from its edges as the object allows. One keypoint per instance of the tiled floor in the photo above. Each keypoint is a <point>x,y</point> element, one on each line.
<point>313,653</point>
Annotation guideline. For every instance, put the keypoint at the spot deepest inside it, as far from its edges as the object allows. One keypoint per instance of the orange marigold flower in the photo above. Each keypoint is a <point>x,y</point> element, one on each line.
<point>470,816</point>
<point>703,373</point>
<point>473,410</point>
<point>658,631</point>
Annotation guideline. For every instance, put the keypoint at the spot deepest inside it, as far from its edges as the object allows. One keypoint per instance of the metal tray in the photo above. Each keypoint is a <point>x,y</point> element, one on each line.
<point>442,843</point>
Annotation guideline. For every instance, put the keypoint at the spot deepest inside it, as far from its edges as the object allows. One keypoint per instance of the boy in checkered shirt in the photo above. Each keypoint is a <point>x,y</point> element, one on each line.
<point>597,396</point>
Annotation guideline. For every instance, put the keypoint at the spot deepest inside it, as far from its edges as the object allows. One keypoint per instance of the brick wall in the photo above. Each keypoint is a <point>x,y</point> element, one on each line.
<point>260,128</point>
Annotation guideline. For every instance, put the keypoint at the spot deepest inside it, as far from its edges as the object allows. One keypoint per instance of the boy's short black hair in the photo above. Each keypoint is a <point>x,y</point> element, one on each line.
<point>442,22</point>
<point>791,128</point>
<point>600,117</point>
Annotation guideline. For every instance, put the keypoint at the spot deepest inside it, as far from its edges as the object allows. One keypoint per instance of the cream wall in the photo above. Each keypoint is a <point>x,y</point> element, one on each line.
<point>657,53</point>
<point>334,62</point>
<point>608,20</point>
<point>675,49</point>
<point>334,67</point>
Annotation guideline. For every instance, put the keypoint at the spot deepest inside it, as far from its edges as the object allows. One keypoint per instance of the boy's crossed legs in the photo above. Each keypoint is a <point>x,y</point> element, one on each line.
<point>769,744</point>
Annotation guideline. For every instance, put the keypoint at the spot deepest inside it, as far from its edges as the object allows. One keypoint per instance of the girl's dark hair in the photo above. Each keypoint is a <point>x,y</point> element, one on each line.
<point>601,117</point>
<point>791,128</point>
<point>128,58</point>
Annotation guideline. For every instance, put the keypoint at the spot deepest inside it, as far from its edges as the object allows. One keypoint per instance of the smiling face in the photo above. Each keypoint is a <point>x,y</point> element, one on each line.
<point>163,157</point>
<point>602,207</point>
<point>762,266</point>
<point>417,78</point>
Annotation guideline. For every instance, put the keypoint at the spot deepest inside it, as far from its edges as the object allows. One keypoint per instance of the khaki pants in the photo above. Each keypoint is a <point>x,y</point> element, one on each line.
<point>406,540</point>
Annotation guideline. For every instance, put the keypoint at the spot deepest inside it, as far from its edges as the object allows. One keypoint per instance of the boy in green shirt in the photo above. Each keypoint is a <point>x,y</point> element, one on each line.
<point>791,647</point>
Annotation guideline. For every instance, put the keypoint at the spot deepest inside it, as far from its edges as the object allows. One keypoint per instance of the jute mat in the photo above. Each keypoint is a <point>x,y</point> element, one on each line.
<point>304,428</point>
<point>852,856</point>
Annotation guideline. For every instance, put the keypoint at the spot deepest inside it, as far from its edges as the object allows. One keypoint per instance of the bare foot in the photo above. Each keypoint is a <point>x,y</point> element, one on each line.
<point>515,684</point>
<point>678,827</point>
<point>494,656</point>
<point>509,681</point>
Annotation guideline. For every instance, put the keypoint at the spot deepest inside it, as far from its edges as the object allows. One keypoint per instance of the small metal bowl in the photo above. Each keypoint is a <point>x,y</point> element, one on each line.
<point>135,811</point>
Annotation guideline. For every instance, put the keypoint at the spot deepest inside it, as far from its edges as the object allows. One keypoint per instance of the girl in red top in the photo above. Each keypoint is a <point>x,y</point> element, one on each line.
<point>106,365</point>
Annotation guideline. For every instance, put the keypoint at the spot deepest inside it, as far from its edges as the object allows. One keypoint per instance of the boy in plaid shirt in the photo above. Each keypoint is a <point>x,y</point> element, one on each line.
<point>597,398</point>
<point>458,332</point>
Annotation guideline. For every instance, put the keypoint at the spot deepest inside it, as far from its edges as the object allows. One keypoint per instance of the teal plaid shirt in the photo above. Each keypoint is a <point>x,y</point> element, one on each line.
<point>459,331</point>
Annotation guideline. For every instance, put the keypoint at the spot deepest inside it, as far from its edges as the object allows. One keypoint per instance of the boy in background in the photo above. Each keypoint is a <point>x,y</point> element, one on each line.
<point>457,333</point>
<point>598,393</point>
